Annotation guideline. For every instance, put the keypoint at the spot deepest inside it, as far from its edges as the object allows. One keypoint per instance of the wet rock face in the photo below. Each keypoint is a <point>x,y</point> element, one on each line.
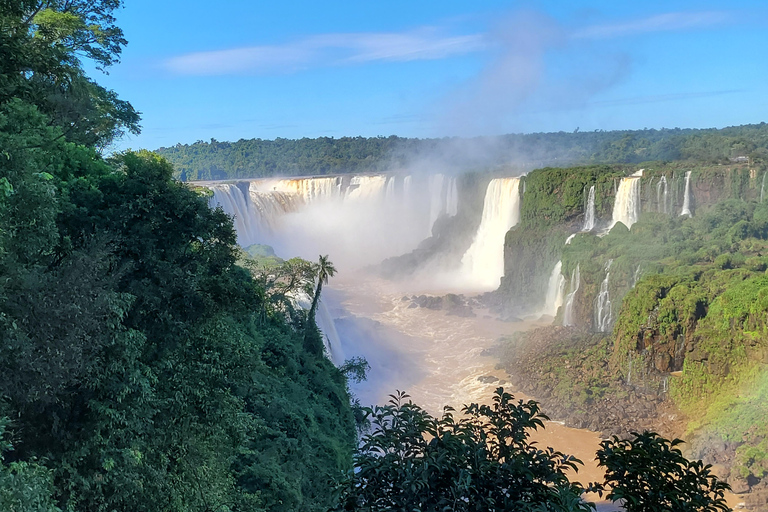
<point>561,368</point>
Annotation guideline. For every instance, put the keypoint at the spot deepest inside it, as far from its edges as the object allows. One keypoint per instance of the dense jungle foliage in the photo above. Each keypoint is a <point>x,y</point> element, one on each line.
<point>141,368</point>
<point>254,158</point>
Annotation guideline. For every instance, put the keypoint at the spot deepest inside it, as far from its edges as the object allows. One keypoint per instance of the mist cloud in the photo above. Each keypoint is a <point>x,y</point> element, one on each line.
<point>541,66</point>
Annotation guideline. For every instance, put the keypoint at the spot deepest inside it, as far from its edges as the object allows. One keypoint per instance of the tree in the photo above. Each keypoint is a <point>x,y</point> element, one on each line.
<point>42,43</point>
<point>481,462</point>
<point>325,270</point>
<point>650,474</point>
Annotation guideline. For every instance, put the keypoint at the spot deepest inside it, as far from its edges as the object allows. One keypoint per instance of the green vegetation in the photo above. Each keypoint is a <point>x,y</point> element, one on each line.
<point>484,461</point>
<point>552,208</point>
<point>325,155</point>
<point>141,367</point>
<point>650,473</point>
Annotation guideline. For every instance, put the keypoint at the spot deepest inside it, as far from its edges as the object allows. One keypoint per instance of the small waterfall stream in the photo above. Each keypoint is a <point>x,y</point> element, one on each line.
<point>555,291</point>
<point>661,197</point>
<point>568,318</point>
<point>603,311</point>
<point>589,212</point>
<point>687,195</point>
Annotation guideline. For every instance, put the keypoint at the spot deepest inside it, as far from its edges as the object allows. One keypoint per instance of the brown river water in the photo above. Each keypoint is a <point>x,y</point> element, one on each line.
<point>437,359</point>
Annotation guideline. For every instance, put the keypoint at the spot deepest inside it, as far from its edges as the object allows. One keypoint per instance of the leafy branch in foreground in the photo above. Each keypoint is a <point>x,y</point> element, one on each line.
<point>481,462</point>
<point>485,461</point>
<point>650,474</point>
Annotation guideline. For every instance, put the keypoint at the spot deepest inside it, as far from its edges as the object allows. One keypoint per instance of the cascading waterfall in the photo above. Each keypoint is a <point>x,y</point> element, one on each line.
<point>452,200</point>
<point>483,263</point>
<point>555,291</point>
<point>407,181</point>
<point>603,312</point>
<point>661,197</point>
<point>366,188</point>
<point>436,205</point>
<point>233,201</point>
<point>390,192</point>
<point>268,207</point>
<point>331,338</point>
<point>762,187</point>
<point>636,276</point>
<point>589,215</point>
<point>443,197</point>
<point>626,208</point>
<point>687,195</point>
<point>311,189</point>
<point>568,318</point>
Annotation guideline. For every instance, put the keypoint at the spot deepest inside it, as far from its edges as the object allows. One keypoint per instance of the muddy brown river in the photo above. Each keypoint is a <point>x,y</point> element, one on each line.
<point>438,359</point>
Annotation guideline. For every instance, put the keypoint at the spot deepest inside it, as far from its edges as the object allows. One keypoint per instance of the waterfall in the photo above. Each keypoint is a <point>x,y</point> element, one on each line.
<point>234,202</point>
<point>762,187</point>
<point>571,297</point>
<point>436,204</point>
<point>407,185</point>
<point>589,215</point>
<point>636,277</point>
<point>310,189</point>
<point>687,195</point>
<point>626,207</point>
<point>366,188</point>
<point>555,291</point>
<point>661,200</point>
<point>603,312</point>
<point>331,338</point>
<point>268,207</point>
<point>483,263</point>
<point>452,200</point>
<point>390,187</point>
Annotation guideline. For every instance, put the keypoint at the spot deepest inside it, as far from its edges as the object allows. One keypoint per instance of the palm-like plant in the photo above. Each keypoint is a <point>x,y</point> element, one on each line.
<point>325,270</point>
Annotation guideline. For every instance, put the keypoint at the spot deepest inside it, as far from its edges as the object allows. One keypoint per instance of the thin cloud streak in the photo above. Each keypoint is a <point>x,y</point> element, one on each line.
<point>668,22</point>
<point>425,43</point>
<point>327,50</point>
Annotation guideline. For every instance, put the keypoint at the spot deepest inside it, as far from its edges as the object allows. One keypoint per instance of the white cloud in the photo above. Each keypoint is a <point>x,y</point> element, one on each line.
<point>668,22</point>
<point>327,50</point>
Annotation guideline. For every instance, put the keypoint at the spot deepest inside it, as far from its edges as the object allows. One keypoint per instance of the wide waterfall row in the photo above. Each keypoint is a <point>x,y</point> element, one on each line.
<point>258,206</point>
<point>483,263</point>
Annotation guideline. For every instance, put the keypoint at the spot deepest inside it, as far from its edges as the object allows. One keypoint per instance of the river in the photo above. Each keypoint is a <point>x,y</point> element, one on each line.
<point>436,358</point>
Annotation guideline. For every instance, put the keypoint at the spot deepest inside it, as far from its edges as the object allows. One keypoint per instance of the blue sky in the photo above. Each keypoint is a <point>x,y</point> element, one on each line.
<point>243,69</point>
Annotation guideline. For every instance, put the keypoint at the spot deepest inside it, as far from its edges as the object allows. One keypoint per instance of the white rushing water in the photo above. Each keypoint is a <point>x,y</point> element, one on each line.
<point>436,195</point>
<point>309,190</point>
<point>452,200</point>
<point>662,191</point>
<point>589,213</point>
<point>555,291</point>
<point>483,263</point>
<point>687,195</point>
<point>570,299</point>
<point>626,207</point>
<point>603,310</point>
